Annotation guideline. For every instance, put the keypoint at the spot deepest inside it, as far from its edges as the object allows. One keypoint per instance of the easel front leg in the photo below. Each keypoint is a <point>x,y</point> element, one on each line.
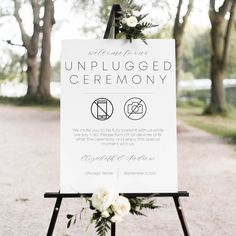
<point>54,216</point>
<point>113,229</point>
<point>181,215</point>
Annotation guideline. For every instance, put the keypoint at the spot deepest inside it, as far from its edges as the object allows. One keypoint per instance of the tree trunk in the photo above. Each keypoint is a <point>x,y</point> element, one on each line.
<point>45,66</point>
<point>178,33</point>
<point>178,56</point>
<point>31,75</point>
<point>218,101</point>
<point>30,43</point>
<point>221,30</point>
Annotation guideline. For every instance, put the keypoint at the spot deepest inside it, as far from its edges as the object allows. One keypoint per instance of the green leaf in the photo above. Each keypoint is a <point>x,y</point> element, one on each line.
<point>68,224</point>
<point>80,214</point>
<point>121,35</point>
<point>72,219</point>
<point>69,216</point>
<point>142,17</point>
<point>102,226</point>
<point>137,204</point>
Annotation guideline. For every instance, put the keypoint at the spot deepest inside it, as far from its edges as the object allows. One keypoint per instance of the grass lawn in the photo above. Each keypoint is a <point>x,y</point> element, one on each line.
<point>217,125</point>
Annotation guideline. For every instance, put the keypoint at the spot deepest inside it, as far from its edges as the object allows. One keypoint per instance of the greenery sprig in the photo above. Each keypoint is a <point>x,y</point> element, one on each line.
<point>138,204</point>
<point>131,22</point>
<point>110,208</point>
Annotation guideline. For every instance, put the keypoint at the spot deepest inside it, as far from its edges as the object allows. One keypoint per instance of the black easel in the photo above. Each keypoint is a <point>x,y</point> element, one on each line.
<point>114,17</point>
<point>59,196</point>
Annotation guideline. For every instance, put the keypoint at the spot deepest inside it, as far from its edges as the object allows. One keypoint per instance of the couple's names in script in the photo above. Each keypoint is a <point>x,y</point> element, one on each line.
<point>113,158</point>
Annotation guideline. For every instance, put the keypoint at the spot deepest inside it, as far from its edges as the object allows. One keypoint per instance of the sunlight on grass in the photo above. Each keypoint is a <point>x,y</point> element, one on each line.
<point>218,125</point>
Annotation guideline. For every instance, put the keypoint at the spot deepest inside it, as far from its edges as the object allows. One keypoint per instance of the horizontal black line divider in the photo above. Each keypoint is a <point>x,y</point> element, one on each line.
<point>128,195</point>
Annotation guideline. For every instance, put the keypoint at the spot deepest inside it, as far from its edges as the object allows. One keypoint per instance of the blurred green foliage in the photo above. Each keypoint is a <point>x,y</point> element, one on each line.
<point>197,51</point>
<point>105,8</point>
<point>203,95</point>
<point>13,69</point>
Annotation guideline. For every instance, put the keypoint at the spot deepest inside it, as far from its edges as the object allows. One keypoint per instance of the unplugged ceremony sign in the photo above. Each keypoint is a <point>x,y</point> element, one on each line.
<point>118,116</point>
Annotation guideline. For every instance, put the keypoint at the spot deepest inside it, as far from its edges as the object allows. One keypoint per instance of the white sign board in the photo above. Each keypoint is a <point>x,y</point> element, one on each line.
<point>118,116</point>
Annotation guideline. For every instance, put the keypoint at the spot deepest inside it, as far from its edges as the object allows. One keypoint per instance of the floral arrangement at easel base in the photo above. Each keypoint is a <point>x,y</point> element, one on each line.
<point>109,207</point>
<point>131,22</point>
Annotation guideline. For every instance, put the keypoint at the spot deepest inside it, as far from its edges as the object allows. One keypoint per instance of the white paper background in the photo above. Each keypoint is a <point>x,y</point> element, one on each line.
<point>76,101</point>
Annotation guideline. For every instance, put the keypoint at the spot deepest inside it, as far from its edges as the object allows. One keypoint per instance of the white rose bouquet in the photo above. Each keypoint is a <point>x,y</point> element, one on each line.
<point>131,22</point>
<point>110,208</point>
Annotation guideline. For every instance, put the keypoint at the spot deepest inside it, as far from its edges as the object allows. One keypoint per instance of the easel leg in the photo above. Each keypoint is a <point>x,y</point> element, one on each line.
<point>54,216</point>
<point>181,215</point>
<point>113,229</point>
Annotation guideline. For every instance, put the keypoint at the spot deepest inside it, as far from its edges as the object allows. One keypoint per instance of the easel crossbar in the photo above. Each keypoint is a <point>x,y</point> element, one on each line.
<point>128,195</point>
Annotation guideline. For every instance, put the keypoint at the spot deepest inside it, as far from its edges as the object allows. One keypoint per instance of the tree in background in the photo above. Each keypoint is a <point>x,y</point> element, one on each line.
<point>221,31</point>
<point>196,53</point>
<point>30,43</point>
<point>37,87</point>
<point>45,66</point>
<point>178,32</point>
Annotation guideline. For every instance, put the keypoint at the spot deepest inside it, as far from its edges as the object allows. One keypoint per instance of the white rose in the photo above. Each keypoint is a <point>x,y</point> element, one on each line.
<point>121,205</point>
<point>124,21</point>
<point>102,199</point>
<point>136,13</point>
<point>116,219</point>
<point>105,214</point>
<point>132,21</point>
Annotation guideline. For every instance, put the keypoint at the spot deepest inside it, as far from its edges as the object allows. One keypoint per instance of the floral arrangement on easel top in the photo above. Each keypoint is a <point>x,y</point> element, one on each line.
<point>109,207</point>
<point>131,22</point>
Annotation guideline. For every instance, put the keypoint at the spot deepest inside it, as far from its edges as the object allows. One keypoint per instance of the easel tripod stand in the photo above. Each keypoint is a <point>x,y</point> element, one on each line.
<point>114,17</point>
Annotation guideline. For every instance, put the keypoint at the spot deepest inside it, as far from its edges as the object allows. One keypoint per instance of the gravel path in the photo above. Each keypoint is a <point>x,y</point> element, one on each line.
<point>29,166</point>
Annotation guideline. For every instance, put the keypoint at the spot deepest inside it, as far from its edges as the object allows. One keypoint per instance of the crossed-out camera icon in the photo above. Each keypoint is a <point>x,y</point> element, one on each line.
<point>135,108</point>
